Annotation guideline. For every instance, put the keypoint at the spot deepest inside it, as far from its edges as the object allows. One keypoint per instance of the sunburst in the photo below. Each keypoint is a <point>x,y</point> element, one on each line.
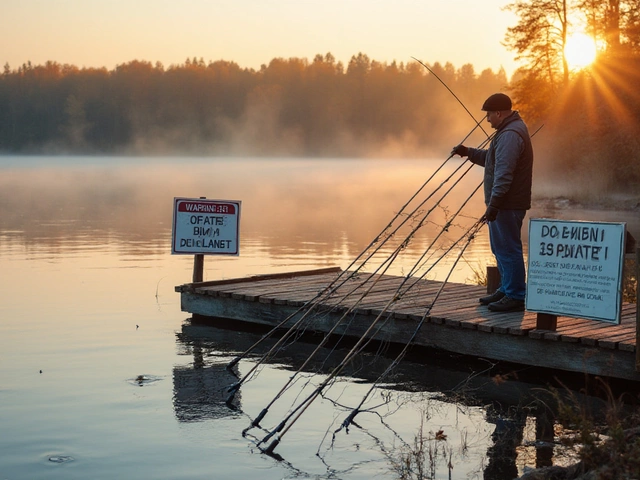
<point>580,51</point>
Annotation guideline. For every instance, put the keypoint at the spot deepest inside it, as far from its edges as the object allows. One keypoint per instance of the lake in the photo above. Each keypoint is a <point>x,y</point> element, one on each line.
<point>102,375</point>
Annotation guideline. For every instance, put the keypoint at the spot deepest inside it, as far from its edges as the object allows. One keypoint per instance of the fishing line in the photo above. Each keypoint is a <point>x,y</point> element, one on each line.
<point>331,285</point>
<point>359,345</point>
<point>388,263</point>
<point>351,309</point>
<point>454,95</point>
<point>470,234</point>
<point>395,298</point>
<point>284,427</point>
<point>332,288</point>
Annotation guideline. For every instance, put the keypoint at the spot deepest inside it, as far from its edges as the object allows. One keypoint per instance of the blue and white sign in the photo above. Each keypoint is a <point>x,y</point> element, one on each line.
<point>575,268</point>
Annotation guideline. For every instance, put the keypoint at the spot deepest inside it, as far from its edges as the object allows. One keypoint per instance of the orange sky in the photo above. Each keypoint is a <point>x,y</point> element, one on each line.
<point>96,33</point>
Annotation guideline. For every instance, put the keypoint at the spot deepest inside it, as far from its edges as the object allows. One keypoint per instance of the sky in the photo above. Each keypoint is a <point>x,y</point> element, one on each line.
<point>106,33</point>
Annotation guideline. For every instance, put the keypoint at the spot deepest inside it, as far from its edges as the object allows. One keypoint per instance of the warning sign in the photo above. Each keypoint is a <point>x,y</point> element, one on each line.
<point>205,227</point>
<point>575,268</point>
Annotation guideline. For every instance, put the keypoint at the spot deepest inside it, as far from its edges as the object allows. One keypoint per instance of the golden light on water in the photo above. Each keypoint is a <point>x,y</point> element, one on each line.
<point>580,51</point>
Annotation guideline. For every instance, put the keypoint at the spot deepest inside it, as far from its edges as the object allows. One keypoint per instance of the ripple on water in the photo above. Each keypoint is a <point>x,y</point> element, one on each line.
<point>61,458</point>
<point>142,380</point>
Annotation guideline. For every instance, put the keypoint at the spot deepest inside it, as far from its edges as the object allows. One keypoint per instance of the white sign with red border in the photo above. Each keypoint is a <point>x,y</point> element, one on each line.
<point>205,227</point>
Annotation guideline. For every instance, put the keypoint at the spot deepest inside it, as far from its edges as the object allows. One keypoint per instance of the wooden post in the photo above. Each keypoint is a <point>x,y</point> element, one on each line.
<point>198,268</point>
<point>546,321</point>
<point>544,438</point>
<point>493,279</point>
<point>198,264</point>
<point>637,311</point>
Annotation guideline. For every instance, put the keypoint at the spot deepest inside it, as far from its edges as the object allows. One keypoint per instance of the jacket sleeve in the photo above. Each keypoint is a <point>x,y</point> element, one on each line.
<point>477,156</point>
<point>508,150</point>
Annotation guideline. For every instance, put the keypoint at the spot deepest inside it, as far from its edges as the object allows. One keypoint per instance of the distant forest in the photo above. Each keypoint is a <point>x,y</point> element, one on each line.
<point>590,143</point>
<point>288,107</point>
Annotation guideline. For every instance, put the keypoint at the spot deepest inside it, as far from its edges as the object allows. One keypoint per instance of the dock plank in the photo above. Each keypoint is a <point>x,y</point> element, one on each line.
<point>455,321</point>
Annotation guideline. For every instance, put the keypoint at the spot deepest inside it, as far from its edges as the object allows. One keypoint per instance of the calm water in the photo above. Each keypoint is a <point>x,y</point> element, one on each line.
<point>102,375</point>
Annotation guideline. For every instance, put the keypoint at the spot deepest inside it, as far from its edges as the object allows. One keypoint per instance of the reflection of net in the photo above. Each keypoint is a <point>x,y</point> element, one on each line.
<point>379,256</point>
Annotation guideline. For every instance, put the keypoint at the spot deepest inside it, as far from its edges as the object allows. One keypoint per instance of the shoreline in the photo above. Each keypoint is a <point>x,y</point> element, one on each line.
<point>617,202</point>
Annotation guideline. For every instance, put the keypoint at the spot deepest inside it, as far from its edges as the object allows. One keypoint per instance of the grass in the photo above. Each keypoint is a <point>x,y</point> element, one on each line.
<point>478,275</point>
<point>630,281</point>
<point>418,460</point>
<point>609,444</point>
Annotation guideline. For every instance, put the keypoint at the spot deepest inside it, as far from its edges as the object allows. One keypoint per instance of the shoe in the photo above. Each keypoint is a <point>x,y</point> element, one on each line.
<point>507,304</point>
<point>494,297</point>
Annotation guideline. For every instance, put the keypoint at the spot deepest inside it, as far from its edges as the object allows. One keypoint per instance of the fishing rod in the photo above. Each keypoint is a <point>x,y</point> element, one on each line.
<point>471,233</point>
<point>470,236</point>
<point>328,291</point>
<point>358,347</point>
<point>394,298</point>
<point>330,288</point>
<point>284,427</point>
<point>451,92</point>
<point>388,263</point>
<point>372,243</point>
<point>389,260</point>
<point>473,193</point>
<point>298,411</point>
<point>417,263</point>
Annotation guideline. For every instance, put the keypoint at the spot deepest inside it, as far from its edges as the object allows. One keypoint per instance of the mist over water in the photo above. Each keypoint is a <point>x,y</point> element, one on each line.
<point>324,209</point>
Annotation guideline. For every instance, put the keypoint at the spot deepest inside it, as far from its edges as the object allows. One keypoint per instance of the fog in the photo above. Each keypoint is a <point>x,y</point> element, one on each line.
<point>323,204</point>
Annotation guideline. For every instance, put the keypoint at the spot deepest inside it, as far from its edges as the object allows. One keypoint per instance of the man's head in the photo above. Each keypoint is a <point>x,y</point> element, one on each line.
<point>498,107</point>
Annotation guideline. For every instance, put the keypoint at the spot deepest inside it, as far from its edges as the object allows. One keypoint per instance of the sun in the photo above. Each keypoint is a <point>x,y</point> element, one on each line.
<point>580,51</point>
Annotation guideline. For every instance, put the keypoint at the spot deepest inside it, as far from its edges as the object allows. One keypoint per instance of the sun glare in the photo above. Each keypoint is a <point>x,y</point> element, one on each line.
<point>580,51</point>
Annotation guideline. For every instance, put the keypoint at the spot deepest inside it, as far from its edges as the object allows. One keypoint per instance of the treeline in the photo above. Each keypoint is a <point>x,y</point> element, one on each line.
<point>288,107</point>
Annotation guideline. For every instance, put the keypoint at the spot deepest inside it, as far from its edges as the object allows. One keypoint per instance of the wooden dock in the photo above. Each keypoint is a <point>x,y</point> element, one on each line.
<point>456,322</point>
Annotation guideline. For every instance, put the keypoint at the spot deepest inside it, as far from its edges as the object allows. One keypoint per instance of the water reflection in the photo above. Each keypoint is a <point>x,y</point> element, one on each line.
<point>200,391</point>
<point>514,432</point>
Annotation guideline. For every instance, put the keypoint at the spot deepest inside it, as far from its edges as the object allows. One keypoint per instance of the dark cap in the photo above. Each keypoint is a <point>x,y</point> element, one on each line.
<point>497,103</point>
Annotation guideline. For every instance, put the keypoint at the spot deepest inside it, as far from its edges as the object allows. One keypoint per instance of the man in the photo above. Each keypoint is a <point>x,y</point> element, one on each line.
<point>508,167</point>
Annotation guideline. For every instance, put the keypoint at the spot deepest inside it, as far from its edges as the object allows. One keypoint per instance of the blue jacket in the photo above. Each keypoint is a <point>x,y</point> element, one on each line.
<point>508,165</point>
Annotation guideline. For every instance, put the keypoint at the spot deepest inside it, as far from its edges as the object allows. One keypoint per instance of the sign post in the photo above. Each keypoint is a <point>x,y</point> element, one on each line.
<point>637,311</point>
<point>575,269</point>
<point>205,227</point>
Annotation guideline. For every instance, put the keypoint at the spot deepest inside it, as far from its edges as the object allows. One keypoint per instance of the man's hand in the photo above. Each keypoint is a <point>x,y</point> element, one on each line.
<point>491,214</point>
<point>460,150</point>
